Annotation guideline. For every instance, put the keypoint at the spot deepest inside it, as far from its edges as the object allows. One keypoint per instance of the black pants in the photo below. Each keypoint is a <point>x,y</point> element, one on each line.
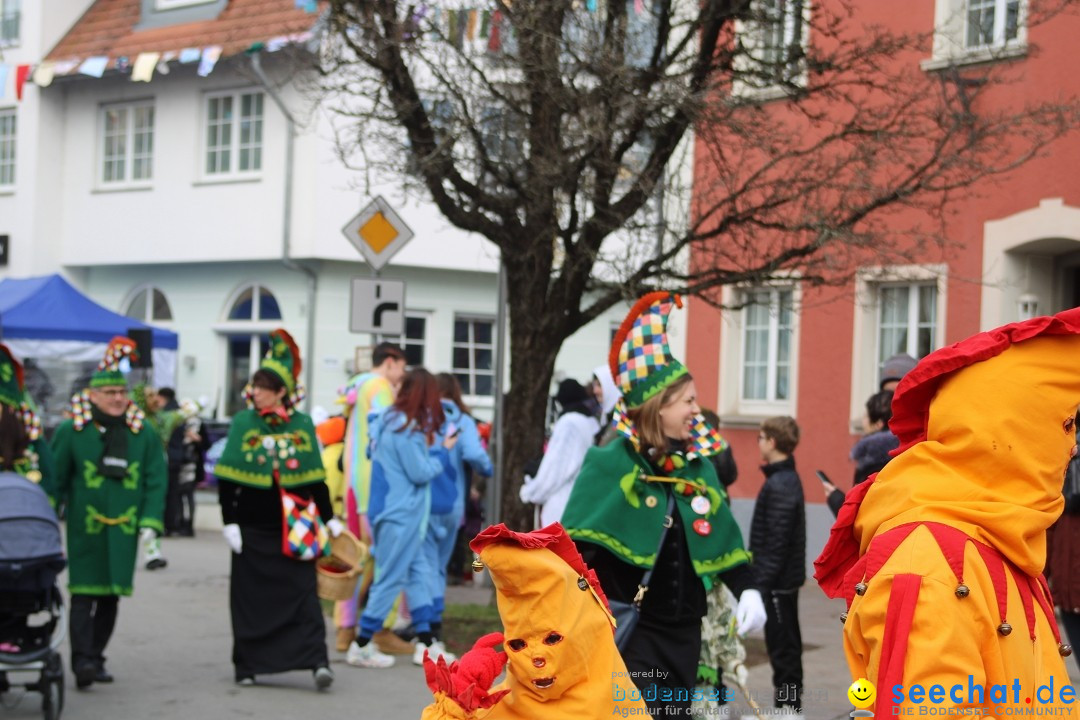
<point>90,625</point>
<point>663,657</point>
<point>173,511</point>
<point>783,639</point>
<point>1071,621</point>
<point>187,508</point>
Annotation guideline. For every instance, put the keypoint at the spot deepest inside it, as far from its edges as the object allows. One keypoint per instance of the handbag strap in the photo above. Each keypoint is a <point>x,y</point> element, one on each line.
<point>669,520</point>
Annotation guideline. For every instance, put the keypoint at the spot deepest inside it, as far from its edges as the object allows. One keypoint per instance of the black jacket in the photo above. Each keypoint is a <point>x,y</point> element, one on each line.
<point>778,530</point>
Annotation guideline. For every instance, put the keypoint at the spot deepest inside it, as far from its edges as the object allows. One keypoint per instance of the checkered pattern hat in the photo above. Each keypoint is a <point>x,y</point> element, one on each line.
<point>108,370</point>
<point>641,361</point>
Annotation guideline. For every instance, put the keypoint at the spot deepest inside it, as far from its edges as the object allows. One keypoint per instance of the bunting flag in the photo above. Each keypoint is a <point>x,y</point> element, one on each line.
<point>94,66</point>
<point>485,23</point>
<point>190,55</point>
<point>143,71</point>
<point>494,42</point>
<point>470,26</point>
<point>43,74</point>
<point>163,64</point>
<point>591,6</point>
<point>639,7</point>
<point>65,67</point>
<point>22,72</point>
<point>209,59</point>
<point>4,71</point>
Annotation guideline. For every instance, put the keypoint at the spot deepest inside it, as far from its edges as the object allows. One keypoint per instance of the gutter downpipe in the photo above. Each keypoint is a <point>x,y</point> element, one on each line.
<point>286,229</point>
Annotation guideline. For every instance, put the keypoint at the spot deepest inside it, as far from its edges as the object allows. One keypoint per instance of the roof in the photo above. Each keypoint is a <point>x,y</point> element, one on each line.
<point>50,308</point>
<point>108,28</point>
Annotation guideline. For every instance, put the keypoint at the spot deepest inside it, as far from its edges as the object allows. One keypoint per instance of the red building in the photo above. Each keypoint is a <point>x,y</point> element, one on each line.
<point>1014,251</point>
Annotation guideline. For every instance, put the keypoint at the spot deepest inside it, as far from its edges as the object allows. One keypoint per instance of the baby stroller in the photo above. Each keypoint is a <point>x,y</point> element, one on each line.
<point>32,617</point>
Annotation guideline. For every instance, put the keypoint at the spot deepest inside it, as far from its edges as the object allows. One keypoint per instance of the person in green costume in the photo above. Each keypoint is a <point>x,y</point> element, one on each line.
<point>22,444</point>
<point>277,620</point>
<point>111,477</point>
<point>618,510</point>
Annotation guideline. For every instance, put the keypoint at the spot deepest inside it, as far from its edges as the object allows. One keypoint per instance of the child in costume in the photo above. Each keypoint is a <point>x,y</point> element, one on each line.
<point>111,476</point>
<point>559,648</point>
<point>940,555</point>
<point>277,621</point>
<point>619,509</point>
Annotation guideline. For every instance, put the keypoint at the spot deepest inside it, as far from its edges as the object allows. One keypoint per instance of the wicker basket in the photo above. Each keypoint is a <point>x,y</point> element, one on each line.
<point>338,573</point>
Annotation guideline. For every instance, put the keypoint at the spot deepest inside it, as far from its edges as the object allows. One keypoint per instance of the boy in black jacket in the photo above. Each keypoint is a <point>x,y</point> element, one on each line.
<point>778,544</point>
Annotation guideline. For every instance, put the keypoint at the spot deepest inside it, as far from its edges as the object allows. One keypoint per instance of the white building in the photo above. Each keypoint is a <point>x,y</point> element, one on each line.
<point>167,201</point>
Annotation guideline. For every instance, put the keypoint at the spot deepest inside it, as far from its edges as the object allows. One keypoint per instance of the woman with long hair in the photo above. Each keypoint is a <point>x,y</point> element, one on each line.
<point>647,510</point>
<point>277,620</point>
<point>22,445</point>
<point>409,449</point>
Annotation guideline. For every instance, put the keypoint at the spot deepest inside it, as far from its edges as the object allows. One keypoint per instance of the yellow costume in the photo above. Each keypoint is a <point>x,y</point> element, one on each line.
<point>558,635</point>
<point>941,555</point>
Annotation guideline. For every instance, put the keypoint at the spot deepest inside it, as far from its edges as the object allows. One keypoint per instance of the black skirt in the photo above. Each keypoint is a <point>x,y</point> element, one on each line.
<point>277,620</point>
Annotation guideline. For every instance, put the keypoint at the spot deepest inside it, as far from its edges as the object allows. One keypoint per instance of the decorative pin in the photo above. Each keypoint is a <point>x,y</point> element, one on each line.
<point>34,476</point>
<point>261,459</point>
<point>477,564</point>
<point>700,505</point>
<point>843,617</point>
<point>702,527</point>
<point>651,501</point>
<point>962,591</point>
<point>292,463</point>
<point>582,583</point>
<point>860,588</point>
<point>1004,628</point>
<point>268,442</point>
<point>1064,650</point>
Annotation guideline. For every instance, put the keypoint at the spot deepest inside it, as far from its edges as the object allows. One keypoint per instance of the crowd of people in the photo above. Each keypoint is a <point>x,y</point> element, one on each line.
<point>631,494</point>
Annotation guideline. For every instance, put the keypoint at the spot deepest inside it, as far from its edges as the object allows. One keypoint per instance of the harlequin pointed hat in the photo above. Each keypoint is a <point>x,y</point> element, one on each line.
<point>641,361</point>
<point>108,370</point>
<point>11,378</point>
<point>283,359</point>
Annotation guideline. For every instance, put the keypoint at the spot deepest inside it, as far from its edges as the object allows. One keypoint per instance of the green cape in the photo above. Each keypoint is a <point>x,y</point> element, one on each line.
<point>247,460</point>
<point>611,506</point>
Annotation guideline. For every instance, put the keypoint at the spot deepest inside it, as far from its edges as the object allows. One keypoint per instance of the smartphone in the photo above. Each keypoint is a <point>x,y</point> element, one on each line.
<point>824,478</point>
<point>452,430</point>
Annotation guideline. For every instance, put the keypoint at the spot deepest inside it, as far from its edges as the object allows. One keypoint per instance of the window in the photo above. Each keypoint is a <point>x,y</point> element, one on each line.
<point>991,23</point>
<point>767,348</point>
<point>234,126</point>
<point>907,321</point>
<point>772,45</point>
<point>474,355</point>
<point>171,4</point>
<point>413,342</point>
<point>10,17</point>
<point>148,304</point>
<point>440,112</point>
<point>502,134</point>
<point>253,312</point>
<point>7,148</point>
<point>127,144</point>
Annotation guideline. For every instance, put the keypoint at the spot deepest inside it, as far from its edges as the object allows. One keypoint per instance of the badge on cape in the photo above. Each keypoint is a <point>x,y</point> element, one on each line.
<point>700,505</point>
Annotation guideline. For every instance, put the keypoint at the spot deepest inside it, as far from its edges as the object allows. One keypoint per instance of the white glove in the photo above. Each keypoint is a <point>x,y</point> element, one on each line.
<point>335,527</point>
<point>232,536</point>
<point>750,613</point>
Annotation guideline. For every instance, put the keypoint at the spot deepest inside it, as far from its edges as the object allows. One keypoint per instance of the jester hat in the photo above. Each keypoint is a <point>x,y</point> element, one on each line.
<point>11,378</point>
<point>643,367</point>
<point>283,359</point>
<point>108,370</point>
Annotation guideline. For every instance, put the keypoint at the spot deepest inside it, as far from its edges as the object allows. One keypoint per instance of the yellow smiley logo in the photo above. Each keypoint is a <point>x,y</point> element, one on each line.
<point>861,693</point>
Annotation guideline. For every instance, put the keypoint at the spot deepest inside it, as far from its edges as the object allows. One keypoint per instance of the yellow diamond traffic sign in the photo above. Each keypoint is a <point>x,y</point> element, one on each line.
<point>378,233</point>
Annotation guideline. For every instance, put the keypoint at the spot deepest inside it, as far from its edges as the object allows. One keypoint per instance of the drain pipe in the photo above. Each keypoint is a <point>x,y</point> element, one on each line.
<point>286,225</point>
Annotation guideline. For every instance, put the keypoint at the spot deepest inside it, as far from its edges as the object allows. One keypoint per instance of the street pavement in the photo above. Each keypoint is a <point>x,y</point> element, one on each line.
<point>170,655</point>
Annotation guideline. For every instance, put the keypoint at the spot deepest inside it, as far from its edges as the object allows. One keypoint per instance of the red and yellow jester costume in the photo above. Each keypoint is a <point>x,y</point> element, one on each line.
<point>940,556</point>
<point>562,662</point>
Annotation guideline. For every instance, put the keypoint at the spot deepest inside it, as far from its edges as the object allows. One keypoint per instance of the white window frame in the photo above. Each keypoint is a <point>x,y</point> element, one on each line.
<point>751,35</point>
<point>865,337</point>
<point>405,342</point>
<point>254,326</point>
<point>734,410</point>
<point>234,147</point>
<point>148,309</point>
<point>471,396</point>
<point>12,141</point>
<point>951,29</point>
<point>772,361</point>
<point>175,4</point>
<point>11,9</point>
<point>129,181</point>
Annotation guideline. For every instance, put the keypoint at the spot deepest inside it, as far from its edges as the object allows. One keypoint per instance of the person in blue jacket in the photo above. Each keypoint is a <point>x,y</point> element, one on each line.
<point>448,493</point>
<point>409,450</point>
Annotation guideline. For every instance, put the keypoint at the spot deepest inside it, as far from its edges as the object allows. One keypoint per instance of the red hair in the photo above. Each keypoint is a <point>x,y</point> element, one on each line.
<point>420,401</point>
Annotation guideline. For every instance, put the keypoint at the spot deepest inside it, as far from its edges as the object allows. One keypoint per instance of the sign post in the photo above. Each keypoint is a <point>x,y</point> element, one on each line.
<point>378,233</point>
<point>377,306</point>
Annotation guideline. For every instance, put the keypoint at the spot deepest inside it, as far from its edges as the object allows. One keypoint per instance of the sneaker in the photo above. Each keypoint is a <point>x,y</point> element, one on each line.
<point>435,651</point>
<point>324,678</point>
<point>246,681</point>
<point>389,643</point>
<point>157,563</point>
<point>367,656</point>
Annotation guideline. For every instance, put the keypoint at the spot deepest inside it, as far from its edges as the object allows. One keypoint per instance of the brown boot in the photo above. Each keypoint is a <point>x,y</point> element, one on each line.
<point>345,636</point>
<point>391,644</point>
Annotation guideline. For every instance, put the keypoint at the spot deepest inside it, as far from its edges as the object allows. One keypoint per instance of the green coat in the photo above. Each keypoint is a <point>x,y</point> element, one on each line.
<point>46,473</point>
<point>104,516</point>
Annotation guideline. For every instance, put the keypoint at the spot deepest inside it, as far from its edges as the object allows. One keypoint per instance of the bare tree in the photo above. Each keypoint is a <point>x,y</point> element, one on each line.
<point>559,129</point>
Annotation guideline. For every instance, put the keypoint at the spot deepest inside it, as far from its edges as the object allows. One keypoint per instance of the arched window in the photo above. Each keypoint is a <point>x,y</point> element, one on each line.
<point>148,304</point>
<point>251,313</point>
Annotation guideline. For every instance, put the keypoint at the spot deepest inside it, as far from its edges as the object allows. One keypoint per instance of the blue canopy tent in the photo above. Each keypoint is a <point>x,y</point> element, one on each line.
<point>60,334</point>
